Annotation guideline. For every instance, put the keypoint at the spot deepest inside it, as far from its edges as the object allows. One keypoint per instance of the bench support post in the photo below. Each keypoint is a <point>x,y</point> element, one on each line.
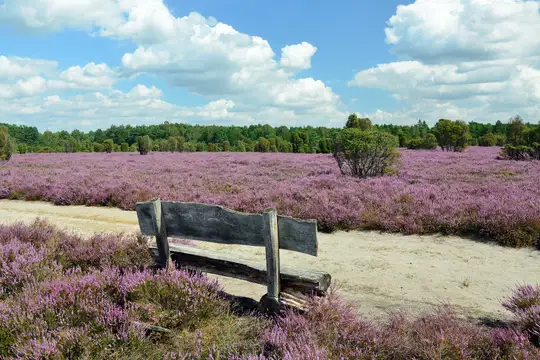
<point>162,242</point>
<point>270,301</point>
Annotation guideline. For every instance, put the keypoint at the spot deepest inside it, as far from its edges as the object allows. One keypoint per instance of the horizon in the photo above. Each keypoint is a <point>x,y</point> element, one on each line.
<point>94,64</point>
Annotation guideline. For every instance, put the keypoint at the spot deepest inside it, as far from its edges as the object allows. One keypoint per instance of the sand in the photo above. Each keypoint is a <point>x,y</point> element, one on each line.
<point>378,272</point>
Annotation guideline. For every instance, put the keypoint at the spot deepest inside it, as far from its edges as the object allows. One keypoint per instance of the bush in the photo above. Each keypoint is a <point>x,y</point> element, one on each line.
<point>22,148</point>
<point>520,152</point>
<point>5,144</point>
<point>452,135</point>
<point>359,123</point>
<point>489,139</point>
<point>365,153</point>
<point>98,147</point>
<point>144,144</point>
<point>108,146</point>
<point>124,147</point>
<point>428,142</point>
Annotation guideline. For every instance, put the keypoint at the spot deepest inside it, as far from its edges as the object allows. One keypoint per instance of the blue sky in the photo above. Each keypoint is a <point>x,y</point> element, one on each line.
<point>93,63</point>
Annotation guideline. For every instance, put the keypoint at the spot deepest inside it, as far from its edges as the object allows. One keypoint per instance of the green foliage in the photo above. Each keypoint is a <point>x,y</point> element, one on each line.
<point>452,135</point>
<point>365,153</point>
<point>22,148</point>
<point>98,147</point>
<point>429,142</point>
<point>108,146</point>
<point>263,145</point>
<point>124,147</point>
<point>361,123</point>
<point>226,146</point>
<point>144,144</point>
<point>6,145</point>
<point>172,144</point>
<point>521,152</point>
<point>515,134</point>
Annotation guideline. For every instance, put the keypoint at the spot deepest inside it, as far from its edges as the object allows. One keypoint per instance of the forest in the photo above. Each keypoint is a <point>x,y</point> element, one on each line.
<point>262,138</point>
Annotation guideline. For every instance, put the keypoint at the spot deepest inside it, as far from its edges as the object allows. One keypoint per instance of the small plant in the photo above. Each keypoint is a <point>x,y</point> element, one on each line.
<point>466,283</point>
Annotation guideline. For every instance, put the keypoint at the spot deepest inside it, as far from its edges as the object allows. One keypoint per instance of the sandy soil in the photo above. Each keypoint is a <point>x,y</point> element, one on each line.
<point>378,272</point>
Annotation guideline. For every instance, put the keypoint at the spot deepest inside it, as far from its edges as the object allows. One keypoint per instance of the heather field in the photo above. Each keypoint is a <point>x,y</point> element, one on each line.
<point>468,193</point>
<point>63,297</point>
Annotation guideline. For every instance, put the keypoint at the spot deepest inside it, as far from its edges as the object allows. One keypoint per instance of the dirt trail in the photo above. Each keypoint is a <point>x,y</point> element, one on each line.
<point>378,272</point>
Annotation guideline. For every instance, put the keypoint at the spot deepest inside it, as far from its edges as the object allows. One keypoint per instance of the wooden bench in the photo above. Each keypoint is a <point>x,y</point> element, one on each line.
<point>217,224</point>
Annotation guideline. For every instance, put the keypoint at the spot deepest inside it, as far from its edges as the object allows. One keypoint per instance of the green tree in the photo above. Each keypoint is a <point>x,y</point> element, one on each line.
<point>108,146</point>
<point>172,144</point>
<point>452,135</point>
<point>144,144</point>
<point>22,148</point>
<point>5,144</point>
<point>98,147</point>
<point>489,139</point>
<point>226,145</point>
<point>263,145</point>
<point>361,123</point>
<point>124,147</point>
<point>515,131</point>
<point>365,153</point>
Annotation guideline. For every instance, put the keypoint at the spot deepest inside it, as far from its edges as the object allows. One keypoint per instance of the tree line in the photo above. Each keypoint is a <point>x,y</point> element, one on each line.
<point>449,135</point>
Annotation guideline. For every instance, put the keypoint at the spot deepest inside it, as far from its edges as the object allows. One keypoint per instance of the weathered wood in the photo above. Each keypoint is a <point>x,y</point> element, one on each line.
<point>298,280</point>
<point>217,224</point>
<point>272,260</point>
<point>293,301</point>
<point>160,232</point>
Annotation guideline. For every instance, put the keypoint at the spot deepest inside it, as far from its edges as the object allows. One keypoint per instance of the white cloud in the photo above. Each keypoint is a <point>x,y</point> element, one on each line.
<point>297,56</point>
<point>202,55</point>
<point>468,59</point>
<point>16,67</point>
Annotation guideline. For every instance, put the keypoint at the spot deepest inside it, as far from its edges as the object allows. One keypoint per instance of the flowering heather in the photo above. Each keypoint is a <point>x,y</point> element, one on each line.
<point>468,193</point>
<point>91,304</point>
<point>524,303</point>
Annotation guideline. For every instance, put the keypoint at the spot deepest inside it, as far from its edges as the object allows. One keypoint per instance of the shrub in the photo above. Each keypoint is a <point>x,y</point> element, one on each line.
<point>524,303</point>
<point>124,147</point>
<point>359,123</point>
<point>428,142</point>
<point>489,139</point>
<point>365,153</point>
<point>5,144</point>
<point>22,148</point>
<point>520,152</point>
<point>98,147</point>
<point>108,146</point>
<point>452,135</point>
<point>144,144</point>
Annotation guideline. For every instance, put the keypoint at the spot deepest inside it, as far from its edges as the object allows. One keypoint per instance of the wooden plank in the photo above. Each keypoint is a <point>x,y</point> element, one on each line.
<point>272,260</point>
<point>297,280</point>
<point>158,222</point>
<point>217,224</point>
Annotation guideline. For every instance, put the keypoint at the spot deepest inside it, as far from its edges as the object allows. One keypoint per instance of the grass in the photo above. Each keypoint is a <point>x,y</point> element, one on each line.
<point>63,296</point>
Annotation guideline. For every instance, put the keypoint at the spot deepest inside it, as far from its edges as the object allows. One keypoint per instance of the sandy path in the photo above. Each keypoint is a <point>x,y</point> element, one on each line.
<point>378,272</point>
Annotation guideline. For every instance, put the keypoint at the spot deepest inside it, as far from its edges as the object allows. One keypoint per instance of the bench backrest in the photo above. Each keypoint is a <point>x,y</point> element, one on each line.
<point>217,224</point>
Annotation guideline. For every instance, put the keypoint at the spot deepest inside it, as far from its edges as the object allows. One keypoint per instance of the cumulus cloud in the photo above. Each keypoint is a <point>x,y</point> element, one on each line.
<point>198,53</point>
<point>16,67</point>
<point>470,59</point>
<point>297,56</point>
